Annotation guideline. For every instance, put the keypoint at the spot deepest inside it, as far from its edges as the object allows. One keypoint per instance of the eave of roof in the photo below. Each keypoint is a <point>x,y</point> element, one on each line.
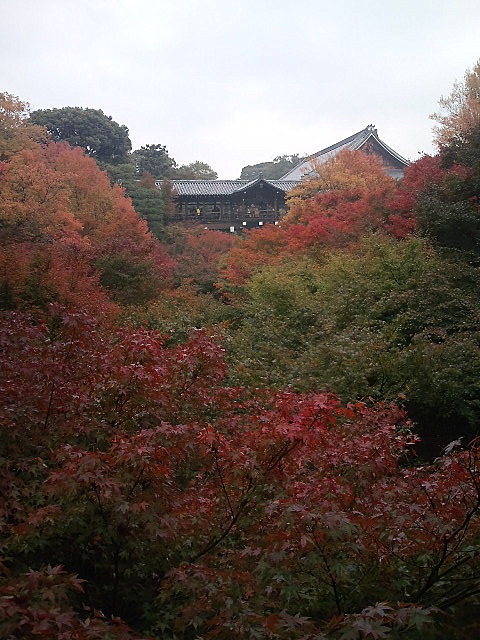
<point>353,143</point>
<point>225,187</point>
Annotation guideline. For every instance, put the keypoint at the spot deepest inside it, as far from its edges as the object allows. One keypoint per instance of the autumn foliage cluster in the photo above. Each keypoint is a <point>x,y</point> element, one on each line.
<point>200,454</point>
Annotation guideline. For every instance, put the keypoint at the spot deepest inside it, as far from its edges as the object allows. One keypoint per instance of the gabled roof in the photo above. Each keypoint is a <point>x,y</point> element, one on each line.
<point>225,187</point>
<point>353,143</point>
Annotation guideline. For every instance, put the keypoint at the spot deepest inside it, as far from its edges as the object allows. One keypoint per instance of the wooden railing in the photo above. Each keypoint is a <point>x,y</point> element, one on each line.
<point>234,217</point>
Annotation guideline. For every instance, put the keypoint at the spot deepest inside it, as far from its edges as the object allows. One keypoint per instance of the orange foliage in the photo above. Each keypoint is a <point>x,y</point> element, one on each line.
<point>349,170</point>
<point>34,198</point>
<point>347,198</point>
<point>16,132</point>
<point>60,218</point>
<point>259,248</point>
<point>198,253</point>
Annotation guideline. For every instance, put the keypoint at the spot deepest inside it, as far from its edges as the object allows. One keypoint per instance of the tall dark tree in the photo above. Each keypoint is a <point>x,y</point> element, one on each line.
<point>154,159</point>
<point>447,207</point>
<point>147,200</point>
<point>98,134</point>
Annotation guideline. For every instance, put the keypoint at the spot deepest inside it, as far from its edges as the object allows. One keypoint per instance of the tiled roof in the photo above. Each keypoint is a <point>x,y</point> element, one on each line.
<point>204,187</point>
<point>284,185</point>
<point>353,143</point>
<point>224,187</point>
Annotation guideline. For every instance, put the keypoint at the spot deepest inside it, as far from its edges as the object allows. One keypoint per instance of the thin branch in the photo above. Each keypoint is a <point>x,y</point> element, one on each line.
<point>224,489</point>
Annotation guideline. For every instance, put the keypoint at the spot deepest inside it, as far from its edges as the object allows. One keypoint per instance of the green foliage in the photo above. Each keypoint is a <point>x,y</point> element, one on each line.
<point>138,480</point>
<point>128,280</point>
<point>448,210</point>
<point>154,159</point>
<point>194,171</point>
<point>452,225</point>
<point>96,133</point>
<point>191,509</point>
<point>390,320</point>
<point>273,170</point>
<point>176,314</point>
<point>147,200</point>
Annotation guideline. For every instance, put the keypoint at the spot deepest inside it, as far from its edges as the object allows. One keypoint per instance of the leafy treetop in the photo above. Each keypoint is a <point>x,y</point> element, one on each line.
<point>460,110</point>
<point>154,159</point>
<point>98,134</point>
<point>16,132</point>
<point>270,170</point>
<point>195,171</point>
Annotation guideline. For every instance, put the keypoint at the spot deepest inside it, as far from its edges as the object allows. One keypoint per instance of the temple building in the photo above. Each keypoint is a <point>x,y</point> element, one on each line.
<point>238,204</point>
<point>221,204</point>
<point>367,141</point>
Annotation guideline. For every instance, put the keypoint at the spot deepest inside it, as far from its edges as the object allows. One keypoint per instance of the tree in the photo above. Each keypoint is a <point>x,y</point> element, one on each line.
<point>90,129</point>
<point>66,228</point>
<point>168,194</point>
<point>443,197</point>
<point>349,197</point>
<point>385,319</point>
<point>460,110</point>
<point>190,508</point>
<point>16,132</point>
<point>273,170</point>
<point>348,170</point>
<point>194,171</point>
<point>147,200</point>
<point>257,248</point>
<point>198,253</point>
<point>154,159</point>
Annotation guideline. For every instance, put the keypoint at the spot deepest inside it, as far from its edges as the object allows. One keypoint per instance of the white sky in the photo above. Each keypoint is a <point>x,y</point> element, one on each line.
<point>236,82</point>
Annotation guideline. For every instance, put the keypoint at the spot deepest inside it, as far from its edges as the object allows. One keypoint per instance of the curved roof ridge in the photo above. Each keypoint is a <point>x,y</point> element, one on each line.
<point>332,147</point>
<point>392,151</point>
<point>353,142</point>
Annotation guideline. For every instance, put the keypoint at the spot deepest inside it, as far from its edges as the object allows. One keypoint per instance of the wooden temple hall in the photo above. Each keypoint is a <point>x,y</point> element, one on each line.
<point>232,205</point>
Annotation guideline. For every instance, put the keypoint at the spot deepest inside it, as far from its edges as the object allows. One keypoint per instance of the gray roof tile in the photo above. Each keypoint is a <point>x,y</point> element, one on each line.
<point>224,187</point>
<point>353,143</point>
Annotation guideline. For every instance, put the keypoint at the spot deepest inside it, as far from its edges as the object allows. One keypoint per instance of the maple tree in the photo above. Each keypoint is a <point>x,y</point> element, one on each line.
<point>460,109</point>
<point>441,194</point>
<point>57,206</point>
<point>351,170</point>
<point>16,132</point>
<point>258,247</point>
<point>185,504</point>
<point>385,319</point>
<point>348,197</point>
<point>180,311</point>
<point>198,253</point>
<point>154,484</point>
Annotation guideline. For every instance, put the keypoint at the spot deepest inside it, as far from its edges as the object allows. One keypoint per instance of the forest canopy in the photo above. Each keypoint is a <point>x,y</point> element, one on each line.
<point>270,436</point>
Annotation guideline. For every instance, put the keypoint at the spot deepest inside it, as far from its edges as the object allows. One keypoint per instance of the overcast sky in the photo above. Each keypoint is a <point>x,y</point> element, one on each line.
<point>236,82</point>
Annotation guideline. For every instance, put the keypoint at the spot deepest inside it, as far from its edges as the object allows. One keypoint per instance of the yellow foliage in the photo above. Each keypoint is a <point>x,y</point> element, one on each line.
<point>461,109</point>
<point>16,132</point>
